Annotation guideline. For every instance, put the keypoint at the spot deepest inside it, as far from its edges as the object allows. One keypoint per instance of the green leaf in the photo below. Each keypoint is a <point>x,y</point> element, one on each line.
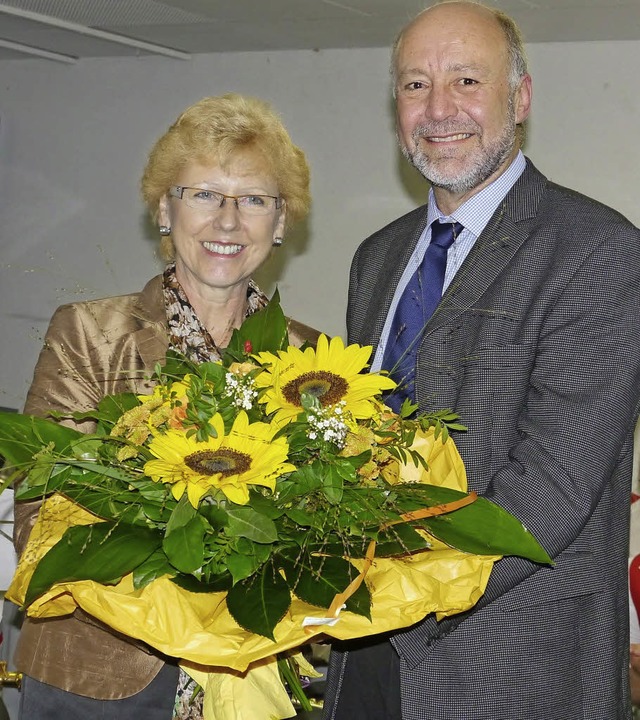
<point>332,484</point>
<point>212,372</point>
<point>302,517</point>
<point>353,548</point>
<point>154,567</point>
<point>407,408</point>
<point>482,527</point>
<point>265,505</point>
<point>265,330</point>
<point>97,500</point>
<point>317,580</point>
<point>290,677</point>
<point>399,540</point>
<point>485,528</point>
<point>22,436</point>
<point>365,506</point>
<point>131,511</point>
<point>301,482</point>
<point>111,407</point>
<point>241,566</point>
<point>103,552</point>
<point>245,522</point>
<point>216,516</point>
<point>175,367</point>
<point>115,473</point>
<point>183,513</point>
<point>7,480</point>
<point>106,414</point>
<point>184,538</point>
<point>184,546</point>
<point>109,500</point>
<point>293,537</point>
<point>44,478</point>
<point>247,558</point>
<point>346,469</point>
<point>258,604</point>
<point>221,583</point>
<point>152,491</point>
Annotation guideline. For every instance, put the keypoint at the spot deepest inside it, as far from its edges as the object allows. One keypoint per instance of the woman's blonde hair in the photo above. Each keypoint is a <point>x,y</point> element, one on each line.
<point>214,130</point>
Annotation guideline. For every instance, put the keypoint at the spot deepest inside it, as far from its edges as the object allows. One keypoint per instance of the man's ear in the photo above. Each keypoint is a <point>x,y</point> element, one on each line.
<point>522,100</point>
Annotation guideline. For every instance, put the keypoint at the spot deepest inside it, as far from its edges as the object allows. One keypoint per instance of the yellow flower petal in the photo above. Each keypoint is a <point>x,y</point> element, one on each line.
<point>331,372</point>
<point>248,455</point>
<point>238,494</point>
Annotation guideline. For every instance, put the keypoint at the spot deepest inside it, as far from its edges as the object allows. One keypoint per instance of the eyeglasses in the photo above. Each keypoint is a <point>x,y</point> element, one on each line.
<point>208,201</point>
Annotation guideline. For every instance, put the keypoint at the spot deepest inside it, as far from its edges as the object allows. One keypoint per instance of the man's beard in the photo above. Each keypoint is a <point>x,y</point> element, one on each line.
<point>480,165</point>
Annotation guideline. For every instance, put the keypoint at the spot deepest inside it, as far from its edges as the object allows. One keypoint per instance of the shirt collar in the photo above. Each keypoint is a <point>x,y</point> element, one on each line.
<point>476,212</point>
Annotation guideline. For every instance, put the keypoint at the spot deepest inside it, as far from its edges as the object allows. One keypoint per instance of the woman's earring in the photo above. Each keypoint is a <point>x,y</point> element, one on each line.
<point>277,241</point>
<point>164,230</point>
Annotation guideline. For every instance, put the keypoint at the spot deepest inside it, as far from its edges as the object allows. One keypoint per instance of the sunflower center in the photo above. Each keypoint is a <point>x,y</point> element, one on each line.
<point>327,387</point>
<point>223,462</point>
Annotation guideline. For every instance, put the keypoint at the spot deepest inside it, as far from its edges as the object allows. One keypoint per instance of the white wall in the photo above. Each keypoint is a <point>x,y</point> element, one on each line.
<point>73,141</point>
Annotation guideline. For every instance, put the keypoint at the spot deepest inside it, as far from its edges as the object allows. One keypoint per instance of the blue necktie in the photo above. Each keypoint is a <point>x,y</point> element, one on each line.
<point>417,303</point>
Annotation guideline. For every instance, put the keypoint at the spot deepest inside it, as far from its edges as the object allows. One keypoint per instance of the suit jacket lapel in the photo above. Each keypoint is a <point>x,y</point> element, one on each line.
<point>501,239</point>
<point>400,248</point>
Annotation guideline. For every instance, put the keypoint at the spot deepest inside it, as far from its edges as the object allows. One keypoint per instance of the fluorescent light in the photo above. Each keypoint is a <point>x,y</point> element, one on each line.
<point>38,52</point>
<point>92,32</point>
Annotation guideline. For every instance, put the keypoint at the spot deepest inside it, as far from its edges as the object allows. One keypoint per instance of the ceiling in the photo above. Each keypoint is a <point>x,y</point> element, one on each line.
<point>65,30</point>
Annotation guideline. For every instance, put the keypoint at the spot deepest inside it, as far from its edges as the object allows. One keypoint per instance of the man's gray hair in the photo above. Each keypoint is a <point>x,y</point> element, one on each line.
<point>515,43</point>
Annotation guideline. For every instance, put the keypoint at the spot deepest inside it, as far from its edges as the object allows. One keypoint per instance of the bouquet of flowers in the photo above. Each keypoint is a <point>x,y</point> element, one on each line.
<point>253,500</point>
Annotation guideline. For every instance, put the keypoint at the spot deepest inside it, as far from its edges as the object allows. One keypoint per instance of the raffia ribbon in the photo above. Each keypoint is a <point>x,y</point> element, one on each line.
<point>434,510</point>
<point>341,598</point>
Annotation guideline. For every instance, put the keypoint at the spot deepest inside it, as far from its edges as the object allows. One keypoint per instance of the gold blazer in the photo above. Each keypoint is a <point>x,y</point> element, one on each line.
<point>93,349</point>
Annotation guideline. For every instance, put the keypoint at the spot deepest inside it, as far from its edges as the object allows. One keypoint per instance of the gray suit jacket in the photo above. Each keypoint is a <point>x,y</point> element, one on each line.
<point>535,344</point>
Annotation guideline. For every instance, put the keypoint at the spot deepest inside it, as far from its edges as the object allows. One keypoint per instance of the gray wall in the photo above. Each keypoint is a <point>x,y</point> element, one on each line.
<point>73,141</point>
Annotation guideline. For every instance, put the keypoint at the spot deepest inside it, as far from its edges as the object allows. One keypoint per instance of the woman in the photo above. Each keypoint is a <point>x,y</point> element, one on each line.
<point>222,182</point>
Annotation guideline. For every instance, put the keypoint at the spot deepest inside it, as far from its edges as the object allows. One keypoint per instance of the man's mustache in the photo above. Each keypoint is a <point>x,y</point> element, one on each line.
<point>447,128</point>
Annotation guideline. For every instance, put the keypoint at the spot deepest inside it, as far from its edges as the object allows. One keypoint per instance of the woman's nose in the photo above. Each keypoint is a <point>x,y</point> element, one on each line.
<point>228,214</point>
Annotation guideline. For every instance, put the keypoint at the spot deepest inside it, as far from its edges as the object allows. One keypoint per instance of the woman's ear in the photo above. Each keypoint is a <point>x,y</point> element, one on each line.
<point>278,231</point>
<point>163,211</point>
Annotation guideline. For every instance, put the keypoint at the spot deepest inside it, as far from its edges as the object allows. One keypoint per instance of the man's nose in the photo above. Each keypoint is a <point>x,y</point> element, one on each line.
<point>440,103</point>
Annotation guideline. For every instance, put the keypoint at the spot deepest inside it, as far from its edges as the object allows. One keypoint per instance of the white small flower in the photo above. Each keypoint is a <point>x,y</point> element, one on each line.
<point>327,423</point>
<point>241,389</point>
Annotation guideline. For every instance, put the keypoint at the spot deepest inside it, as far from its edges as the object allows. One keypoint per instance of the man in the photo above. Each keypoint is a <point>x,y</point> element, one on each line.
<point>535,344</point>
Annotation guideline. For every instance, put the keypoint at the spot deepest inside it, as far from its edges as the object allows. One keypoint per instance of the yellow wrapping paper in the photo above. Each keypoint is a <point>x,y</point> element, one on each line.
<point>239,695</point>
<point>253,695</point>
<point>237,669</point>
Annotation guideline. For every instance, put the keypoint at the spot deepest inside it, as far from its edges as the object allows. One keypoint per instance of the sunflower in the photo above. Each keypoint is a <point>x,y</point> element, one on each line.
<point>248,455</point>
<point>331,372</point>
